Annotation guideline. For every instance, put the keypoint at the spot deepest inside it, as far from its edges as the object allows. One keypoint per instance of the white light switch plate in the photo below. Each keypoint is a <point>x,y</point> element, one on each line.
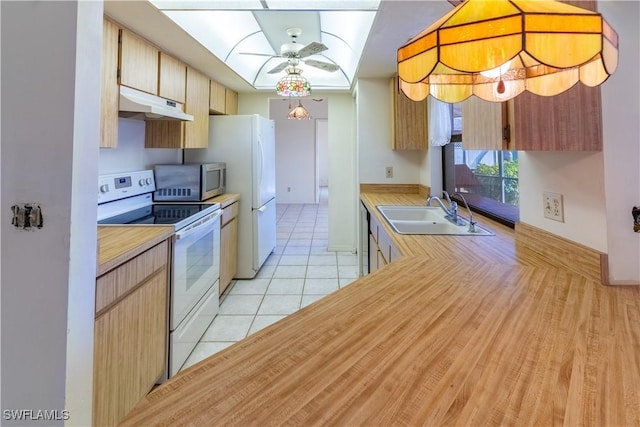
<point>553,206</point>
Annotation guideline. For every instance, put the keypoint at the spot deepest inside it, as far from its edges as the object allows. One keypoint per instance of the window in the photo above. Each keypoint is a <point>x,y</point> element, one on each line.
<point>488,179</point>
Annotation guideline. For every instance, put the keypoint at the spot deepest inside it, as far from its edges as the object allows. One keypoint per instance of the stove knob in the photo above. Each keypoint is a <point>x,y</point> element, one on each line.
<point>148,181</point>
<point>141,182</point>
<point>104,188</point>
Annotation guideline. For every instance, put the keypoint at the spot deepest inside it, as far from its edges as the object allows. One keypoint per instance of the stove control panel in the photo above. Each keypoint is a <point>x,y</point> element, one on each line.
<point>121,185</point>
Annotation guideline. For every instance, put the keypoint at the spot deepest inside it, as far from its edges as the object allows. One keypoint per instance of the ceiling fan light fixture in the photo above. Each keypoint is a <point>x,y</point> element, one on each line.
<point>496,49</point>
<point>293,84</point>
<point>299,113</point>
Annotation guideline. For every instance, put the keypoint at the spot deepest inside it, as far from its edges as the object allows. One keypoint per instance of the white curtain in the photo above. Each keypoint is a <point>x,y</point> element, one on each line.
<point>439,122</point>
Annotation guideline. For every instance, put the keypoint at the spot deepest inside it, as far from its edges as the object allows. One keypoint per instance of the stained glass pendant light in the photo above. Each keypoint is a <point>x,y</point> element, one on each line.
<point>298,113</point>
<point>293,84</point>
<point>496,49</point>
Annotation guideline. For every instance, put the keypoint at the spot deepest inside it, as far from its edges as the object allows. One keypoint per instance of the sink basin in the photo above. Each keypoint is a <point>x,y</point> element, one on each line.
<point>411,213</point>
<point>427,220</point>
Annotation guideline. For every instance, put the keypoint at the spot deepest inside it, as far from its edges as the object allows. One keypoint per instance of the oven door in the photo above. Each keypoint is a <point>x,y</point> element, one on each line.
<point>196,265</point>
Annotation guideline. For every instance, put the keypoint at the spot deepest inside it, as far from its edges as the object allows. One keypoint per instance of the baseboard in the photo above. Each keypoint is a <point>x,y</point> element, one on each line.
<point>420,189</point>
<point>563,253</point>
<point>623,283</point>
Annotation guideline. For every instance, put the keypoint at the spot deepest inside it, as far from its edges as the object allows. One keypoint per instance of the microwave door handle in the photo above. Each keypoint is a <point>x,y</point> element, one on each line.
<point>198,225</point>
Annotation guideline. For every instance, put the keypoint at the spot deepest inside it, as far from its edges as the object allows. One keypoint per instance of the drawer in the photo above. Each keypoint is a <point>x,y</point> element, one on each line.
<point>123,279</point>
<point>229,213</point>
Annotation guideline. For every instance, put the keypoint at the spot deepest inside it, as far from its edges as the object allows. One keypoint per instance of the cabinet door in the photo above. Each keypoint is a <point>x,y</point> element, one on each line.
<point>130,342</point>
<point>172,78</point>
<point>217,98</point>
<point>231,102</point>
<point>485,125</point>
<point>373,254</point>
<point>138,63</point>
<point>570,121</point>
<point>109,86</point>
<point>228,253</point>
<point>410,127</point>
<point>196,133</point>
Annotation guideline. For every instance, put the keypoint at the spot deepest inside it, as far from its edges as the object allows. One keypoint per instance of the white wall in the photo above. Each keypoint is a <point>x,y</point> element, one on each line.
<point>621,113</point>
<point>374,139</point>
<point>579,177</point>
<point>599,188</point>
<point>296,152</point>
<point>50,57</point>
<point>322,144</point>
<point>343,180</point>
<point>130,154</point>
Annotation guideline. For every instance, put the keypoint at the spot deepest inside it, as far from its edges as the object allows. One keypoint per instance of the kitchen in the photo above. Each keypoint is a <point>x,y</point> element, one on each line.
<point>598,185</point>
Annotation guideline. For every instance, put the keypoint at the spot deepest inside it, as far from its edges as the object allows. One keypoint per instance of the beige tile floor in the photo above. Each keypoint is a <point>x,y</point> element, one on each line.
<point>298,272</point>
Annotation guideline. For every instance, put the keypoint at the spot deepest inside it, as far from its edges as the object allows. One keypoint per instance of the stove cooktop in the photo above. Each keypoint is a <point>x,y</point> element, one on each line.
<point>161,214</point>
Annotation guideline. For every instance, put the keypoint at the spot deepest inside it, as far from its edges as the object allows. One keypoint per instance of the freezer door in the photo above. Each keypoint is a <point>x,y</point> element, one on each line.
<point>264,236</point>
<point>264,161</point>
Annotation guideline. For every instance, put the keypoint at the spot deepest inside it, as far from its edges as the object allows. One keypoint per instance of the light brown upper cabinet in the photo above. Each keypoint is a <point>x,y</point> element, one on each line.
<point>217,98</point>
<point>222,100</point>
<point>409,121</point>
<point>174,134</point>
<point>172,78</point>
<point>138,63</point>
<point>486,125</point>
<point>109,86</point>
<point>196,133</point>
<point>231,102</point>
<point>571,121</point>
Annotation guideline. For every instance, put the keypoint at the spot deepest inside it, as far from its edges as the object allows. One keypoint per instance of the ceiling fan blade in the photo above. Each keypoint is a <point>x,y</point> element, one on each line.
<point>322,65</point>
<point>311,49</point>
<point>260,54</point>
<point>278,68</point>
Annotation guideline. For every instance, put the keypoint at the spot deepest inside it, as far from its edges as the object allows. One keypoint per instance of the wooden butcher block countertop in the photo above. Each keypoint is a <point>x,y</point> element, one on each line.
<point>119,243</point>
<point>434,338</point>
<point>224,199</point>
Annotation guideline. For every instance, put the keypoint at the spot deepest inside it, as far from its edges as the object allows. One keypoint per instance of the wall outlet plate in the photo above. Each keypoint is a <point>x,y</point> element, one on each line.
<point>553,206</point>
<point>389,171</point>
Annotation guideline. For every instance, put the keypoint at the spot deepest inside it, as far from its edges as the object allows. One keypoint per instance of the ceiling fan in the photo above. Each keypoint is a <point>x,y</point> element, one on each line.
<point>295,53</point>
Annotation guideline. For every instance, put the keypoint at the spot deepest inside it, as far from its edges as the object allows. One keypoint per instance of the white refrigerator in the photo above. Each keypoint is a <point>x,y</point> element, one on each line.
<point>246,143</point>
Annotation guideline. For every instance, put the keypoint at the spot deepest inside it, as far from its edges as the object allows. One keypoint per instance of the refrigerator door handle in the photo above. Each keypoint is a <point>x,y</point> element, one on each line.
<point>261,162</point>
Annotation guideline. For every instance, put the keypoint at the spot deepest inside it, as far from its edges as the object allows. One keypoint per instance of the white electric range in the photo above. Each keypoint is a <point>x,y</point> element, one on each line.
<point>127,199</point>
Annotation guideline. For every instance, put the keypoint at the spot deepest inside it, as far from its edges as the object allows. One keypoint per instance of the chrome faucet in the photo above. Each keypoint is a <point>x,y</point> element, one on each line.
<point>437,199</point>
<point>472,224</point>
<point>451,213</point>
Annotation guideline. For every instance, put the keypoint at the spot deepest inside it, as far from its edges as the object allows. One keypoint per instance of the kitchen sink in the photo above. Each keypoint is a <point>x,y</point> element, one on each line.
<point>427,220</point>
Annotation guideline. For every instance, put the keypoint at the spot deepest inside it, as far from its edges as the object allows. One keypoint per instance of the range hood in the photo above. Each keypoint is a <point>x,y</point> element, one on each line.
<point>138,104</point>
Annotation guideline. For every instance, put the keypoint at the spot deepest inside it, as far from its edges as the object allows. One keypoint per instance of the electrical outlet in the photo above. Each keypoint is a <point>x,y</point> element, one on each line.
<point>288,189</point>
<point>389,171</point>
<point>553,206</point>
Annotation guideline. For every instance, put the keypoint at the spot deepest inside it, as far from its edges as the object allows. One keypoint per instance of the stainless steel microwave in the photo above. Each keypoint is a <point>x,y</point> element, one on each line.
<point>189,182</point>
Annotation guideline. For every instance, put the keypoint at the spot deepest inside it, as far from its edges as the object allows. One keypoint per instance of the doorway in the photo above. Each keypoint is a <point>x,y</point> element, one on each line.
<point>322,160</point>
<point>301,150</point>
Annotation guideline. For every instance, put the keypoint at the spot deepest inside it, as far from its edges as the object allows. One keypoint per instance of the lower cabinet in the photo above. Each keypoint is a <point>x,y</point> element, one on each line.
<point>381,249</point>
<point>228,245</point>
<point>130,334</point>
<point>376,258</point>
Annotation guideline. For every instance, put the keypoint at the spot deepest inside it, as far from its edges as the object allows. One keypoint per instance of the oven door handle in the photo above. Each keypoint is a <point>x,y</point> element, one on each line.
<point>196,226</point>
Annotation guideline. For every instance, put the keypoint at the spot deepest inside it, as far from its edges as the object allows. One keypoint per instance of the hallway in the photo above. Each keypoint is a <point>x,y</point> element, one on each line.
<point>298,272</point>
